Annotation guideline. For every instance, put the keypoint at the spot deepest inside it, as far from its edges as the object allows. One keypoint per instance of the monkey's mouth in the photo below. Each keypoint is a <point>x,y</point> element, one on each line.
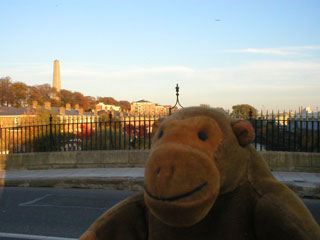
<point>175,198</point>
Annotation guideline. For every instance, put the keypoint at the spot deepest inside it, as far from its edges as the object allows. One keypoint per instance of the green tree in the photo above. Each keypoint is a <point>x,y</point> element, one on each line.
<point>242,111</point>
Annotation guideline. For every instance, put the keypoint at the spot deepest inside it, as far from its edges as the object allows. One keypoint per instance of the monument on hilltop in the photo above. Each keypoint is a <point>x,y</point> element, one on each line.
<point>56,83</point>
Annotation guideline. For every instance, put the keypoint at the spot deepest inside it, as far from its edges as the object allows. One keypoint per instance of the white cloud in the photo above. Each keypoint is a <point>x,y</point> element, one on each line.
<point>283,51</point>
<point>272,51</point>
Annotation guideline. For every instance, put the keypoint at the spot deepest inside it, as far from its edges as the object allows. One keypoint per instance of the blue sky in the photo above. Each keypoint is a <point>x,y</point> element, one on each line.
<point>263,53</point>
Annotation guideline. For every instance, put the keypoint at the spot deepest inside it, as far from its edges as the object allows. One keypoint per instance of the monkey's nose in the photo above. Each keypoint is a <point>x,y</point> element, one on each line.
<point>165,172</point>
<point>164,176</point>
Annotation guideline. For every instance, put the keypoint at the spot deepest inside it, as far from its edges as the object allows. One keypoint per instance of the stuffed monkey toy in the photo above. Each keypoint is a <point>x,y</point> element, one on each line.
<point>203,180</point>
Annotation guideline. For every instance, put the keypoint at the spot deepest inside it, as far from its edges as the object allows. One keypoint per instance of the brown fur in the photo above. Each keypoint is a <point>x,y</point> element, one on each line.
<point>203,180</point>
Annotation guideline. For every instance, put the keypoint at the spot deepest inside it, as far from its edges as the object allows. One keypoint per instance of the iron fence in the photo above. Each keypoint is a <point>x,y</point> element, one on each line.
<point>292,135</point>
<point>115,133</point>
<point>78,134</point>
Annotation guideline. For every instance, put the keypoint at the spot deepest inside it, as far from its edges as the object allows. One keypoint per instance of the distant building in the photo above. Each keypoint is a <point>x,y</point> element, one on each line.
<point>144,107</point>
<point>307,119</point>
<point>106,107</point>
<point>56,82</point>
<point>15,116</point>
<point>10,116</point>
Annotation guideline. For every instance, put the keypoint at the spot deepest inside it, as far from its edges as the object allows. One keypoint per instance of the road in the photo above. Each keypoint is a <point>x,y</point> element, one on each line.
<point>64,212</point>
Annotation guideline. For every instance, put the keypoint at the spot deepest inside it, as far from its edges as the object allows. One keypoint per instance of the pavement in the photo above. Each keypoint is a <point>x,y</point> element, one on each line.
<point>302,183</point>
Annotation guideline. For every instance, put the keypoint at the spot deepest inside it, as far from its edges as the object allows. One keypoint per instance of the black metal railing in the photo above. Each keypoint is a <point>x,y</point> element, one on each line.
<point>78,134</point>
<point>292,135</point>
<point>274,133</point>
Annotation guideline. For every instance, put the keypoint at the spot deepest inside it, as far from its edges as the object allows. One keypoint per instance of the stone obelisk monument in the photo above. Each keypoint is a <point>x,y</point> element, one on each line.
<point>56,83</point>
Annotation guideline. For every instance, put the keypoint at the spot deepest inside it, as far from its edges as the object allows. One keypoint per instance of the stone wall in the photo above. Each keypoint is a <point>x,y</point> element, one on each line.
<point>277,161</point>
<point>80,159</point>
<point>292,161</point>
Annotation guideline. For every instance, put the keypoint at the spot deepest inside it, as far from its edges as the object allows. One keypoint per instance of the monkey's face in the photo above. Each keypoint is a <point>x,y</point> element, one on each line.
<point>182,180</point>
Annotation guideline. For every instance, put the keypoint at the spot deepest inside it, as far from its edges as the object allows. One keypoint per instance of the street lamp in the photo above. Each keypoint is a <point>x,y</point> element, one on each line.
<point>177,101</point>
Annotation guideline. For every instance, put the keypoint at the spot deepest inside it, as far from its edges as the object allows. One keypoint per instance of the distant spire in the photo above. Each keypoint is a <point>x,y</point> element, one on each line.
<point>56,83</point>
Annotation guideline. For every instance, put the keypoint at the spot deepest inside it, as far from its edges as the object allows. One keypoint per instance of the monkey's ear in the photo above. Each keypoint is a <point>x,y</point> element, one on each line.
<point>244,132</point>
<point>156,125</point>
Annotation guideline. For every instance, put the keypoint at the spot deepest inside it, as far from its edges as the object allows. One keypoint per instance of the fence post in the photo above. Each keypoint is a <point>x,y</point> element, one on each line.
<point>110,130</point>
<point>1,138</point>
<point>250,114</point>
<point>51,134</point>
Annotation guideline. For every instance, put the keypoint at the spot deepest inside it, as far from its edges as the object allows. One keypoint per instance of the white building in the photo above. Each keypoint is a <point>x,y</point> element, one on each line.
<point>107,107</point>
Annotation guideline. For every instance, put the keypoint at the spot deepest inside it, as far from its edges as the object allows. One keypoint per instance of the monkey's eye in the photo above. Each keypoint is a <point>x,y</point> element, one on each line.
<point>202,136</point>
<point>160,134</point>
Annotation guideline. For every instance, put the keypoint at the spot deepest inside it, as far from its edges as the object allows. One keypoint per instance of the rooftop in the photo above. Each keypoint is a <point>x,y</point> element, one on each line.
<point>12,111</point>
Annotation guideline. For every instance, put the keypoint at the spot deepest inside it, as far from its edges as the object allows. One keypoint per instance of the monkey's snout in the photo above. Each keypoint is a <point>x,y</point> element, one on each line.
<point>165,171</point>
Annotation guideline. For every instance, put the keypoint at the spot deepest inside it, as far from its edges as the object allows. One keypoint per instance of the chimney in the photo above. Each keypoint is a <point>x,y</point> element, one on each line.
<point>76,106</point>
<point>47,105</point>
<point>68,107</point>
<point>62,111</point>
<point>81,111</point>
<point>34,104</point>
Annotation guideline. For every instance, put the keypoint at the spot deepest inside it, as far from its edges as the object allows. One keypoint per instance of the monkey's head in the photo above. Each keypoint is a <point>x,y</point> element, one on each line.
<point>197,154</point>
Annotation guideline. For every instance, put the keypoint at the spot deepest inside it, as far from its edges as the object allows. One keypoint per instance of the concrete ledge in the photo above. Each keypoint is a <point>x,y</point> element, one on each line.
<point>80,159</point>
<point>277,161</point>
<point>86,183</point>
<point>303,184</point>
<point>292,161</point>
<point>310,190</point>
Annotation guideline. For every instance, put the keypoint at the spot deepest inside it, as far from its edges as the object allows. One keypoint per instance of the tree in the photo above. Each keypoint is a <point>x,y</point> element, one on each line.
<point>242,111</point>
<point>66,97</point>
<point>108,100</point>
<point>55,102</point>
<point>19,92</point>
<point>34,95</point>
<point>125,105</point>
<point>78,98</point>
<point>92,103</point>
<point>5,91</point>
<point>45,91</point>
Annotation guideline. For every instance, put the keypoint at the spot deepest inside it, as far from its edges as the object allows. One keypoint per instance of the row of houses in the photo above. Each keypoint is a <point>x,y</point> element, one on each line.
<point>17,116</point>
